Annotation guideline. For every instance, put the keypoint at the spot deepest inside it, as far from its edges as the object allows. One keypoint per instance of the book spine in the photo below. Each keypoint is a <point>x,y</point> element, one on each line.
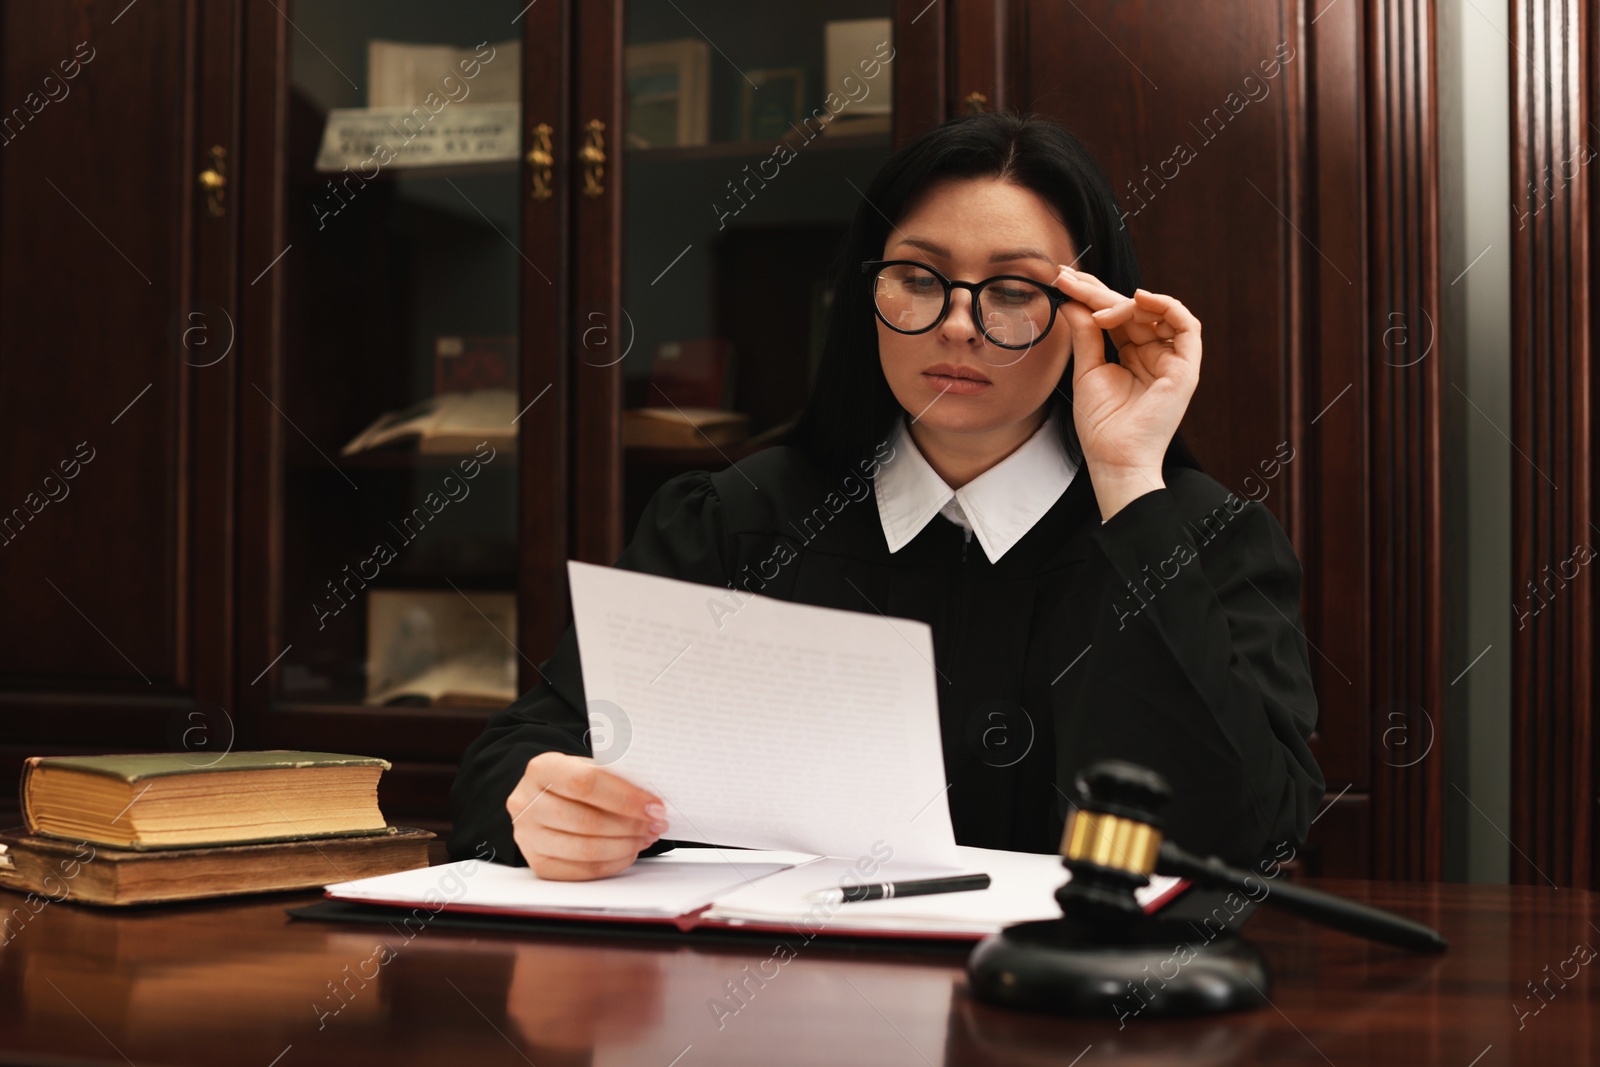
<point>24,790</point>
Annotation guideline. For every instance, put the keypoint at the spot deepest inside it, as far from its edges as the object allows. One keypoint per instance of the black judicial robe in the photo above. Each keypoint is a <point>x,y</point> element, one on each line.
<point>1167,636</point>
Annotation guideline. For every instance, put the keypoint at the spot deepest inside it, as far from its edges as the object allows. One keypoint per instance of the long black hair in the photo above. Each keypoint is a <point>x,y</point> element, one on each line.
<point>851,407</point>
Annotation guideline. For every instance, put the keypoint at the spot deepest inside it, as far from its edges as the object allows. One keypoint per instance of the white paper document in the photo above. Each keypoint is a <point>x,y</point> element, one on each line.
<point>766,724</point>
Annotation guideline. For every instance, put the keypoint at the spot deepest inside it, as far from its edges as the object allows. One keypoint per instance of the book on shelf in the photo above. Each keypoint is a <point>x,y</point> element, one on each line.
<point>692,374</point>
<point>667,93</point>
<point>848,125</point>
<point>756,890</point>
<point>403,74</point>
<point>855,51</point>
<point>464,682</point>
<point>97,874</point>
<point>429,647</point>
<point>683,427</point>
<point>771,103</point>
<point>449,424</point>
<point>462,364</point>
<point>150,800</point>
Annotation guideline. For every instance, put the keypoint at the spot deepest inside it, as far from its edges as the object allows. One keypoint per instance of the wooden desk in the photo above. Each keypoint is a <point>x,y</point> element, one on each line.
<point>241,983</point>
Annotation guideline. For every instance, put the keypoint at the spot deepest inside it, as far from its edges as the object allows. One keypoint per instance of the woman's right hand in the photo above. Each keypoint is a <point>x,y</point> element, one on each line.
<point>573,821</point>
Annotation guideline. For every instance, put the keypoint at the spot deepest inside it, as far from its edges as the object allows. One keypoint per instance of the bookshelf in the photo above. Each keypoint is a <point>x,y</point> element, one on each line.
<point>414,254</point>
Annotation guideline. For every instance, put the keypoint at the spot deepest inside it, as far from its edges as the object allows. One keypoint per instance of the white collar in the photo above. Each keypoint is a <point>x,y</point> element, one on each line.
<point>1002,504</point>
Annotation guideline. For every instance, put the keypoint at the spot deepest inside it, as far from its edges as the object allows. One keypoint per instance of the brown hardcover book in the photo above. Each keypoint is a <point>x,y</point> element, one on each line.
<point>94,874</point>
<point>176,799</point>
<point>463,364</point>
<point>683,427</point>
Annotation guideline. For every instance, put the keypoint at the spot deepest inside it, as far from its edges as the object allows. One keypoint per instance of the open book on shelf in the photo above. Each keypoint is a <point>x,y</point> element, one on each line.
<point>429,647</point>
<point>748,889</point>
<point>447,424</point>
<point>478,680</point>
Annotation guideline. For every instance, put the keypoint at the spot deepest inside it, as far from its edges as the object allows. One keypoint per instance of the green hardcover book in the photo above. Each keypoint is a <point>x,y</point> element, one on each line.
<point>183,799</point>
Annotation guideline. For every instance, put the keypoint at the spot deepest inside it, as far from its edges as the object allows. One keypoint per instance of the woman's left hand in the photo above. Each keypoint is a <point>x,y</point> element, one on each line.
<point>1126,413</point>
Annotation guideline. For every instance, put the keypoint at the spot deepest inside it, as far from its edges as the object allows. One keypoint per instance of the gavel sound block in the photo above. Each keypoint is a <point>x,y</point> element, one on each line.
<point>1106,957</point>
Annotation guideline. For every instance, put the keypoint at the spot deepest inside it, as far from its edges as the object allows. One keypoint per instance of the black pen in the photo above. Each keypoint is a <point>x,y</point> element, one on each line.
<point>849,894</point>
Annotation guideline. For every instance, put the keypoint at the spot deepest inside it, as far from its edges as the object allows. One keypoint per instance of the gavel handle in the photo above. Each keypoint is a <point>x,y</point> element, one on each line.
<point>1325,908</point>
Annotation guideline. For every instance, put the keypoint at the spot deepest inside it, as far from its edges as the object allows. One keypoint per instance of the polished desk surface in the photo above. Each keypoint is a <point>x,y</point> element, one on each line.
<point>243,983</point>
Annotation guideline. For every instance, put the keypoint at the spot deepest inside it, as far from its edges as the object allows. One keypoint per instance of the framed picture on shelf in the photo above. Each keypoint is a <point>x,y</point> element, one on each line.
<point>850,45</point>
<point>771,103</point>
<point>668,93</point>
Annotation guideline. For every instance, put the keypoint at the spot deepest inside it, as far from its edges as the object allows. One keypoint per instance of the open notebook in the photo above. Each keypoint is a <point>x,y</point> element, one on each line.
<point>746,889</point>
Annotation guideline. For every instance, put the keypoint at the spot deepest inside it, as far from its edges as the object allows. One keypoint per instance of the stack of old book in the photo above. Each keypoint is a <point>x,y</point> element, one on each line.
<point>131,829</point>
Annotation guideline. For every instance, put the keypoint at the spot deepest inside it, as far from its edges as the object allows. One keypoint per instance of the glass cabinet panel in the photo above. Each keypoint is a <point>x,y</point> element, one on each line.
<point>399,541</point>
<point>750,136</point>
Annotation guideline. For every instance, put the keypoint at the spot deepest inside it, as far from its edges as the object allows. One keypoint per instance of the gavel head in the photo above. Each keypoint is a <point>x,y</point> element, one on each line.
<point>1111,840</point>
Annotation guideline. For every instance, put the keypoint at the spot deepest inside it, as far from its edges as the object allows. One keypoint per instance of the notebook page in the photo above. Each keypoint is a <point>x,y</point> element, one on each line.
<point>762,723</point>
<point>654,887</point>
<point>1022,888</point>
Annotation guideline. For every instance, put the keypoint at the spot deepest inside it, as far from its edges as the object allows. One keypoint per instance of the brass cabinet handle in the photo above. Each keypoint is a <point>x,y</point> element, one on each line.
<point>593,155</point>
<point>214,180</point>
<point>975,102</point>
<point>542,158</point>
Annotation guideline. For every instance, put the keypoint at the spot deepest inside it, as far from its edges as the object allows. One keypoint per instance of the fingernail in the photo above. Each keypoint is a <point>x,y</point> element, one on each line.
<point>658,827</point>
<point>656,811</point>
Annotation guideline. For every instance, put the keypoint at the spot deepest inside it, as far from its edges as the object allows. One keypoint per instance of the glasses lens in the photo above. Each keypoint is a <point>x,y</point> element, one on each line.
<point>908,297</point>
<point>1015,313</point>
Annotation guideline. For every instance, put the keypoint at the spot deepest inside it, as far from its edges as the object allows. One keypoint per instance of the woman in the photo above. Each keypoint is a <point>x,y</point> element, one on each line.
<point>1119,603</point>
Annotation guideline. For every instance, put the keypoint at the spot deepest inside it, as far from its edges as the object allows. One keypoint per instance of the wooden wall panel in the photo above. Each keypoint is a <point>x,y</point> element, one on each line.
<point>979,55</point>
<point>1404,441</point>
<point>1279,170</point>
<point>1334,412</point>
<point>1204,173</point>
<point>1552,476</point>
<point>921,43</point>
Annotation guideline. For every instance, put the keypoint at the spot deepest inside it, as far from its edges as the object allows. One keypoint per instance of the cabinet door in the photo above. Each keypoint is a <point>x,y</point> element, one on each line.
<point>402,408</point>
<point>115,486</point>
<point>735,149</point>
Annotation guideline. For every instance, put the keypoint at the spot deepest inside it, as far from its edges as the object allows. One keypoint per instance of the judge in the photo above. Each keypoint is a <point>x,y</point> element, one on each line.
<point>990,447</point>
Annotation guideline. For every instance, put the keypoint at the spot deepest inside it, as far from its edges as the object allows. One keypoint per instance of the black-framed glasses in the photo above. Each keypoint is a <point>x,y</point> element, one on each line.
<point>1012,311</point>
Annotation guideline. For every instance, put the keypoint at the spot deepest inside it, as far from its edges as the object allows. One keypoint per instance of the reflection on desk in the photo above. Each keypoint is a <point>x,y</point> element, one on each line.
<point>240,982</point>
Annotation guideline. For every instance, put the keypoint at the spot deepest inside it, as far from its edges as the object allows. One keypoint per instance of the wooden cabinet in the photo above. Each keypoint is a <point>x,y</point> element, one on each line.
<point>224,571</point>
<point>198,292</point>
<point>118,557</point>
